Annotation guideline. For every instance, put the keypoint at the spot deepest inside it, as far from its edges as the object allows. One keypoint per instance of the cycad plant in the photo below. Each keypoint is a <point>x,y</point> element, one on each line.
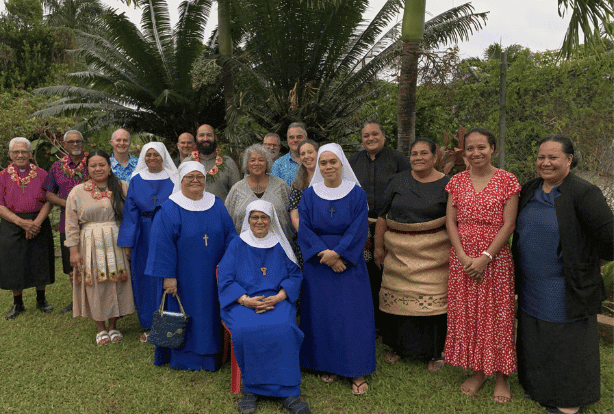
<point>307,64</point>
<point>140,79</point>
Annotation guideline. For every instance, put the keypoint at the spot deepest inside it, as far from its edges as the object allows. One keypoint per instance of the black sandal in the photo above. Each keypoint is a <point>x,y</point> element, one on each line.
<point>358,392</point>
<point>248,404</point>
<point>295,405</point>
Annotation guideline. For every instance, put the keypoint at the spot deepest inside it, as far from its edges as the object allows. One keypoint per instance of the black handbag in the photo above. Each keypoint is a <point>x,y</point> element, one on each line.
<point>168,328</point>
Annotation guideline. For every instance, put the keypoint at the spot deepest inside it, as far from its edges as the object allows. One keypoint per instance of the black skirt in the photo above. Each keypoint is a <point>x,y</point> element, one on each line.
<point>558,363</point>
<point>415,336</point>
<point>25,263</point>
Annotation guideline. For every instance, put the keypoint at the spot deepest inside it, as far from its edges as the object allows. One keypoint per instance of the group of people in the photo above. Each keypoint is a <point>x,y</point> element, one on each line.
<point>373,244</point>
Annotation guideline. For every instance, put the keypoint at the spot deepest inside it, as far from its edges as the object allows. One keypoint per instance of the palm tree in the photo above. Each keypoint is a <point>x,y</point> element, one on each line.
<point>141,79</point>
<point>75,14</point>
<point>307,64</point>
<point>416,35</point>
<point>588,16</point>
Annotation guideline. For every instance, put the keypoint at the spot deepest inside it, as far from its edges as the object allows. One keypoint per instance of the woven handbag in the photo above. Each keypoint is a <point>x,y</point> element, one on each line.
<point>168,328</point>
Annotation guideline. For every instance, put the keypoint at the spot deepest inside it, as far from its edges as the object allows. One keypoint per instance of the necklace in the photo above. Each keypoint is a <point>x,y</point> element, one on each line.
<point>219,162</point>
<point>22,182</point>
<point>96,193</point>
<point>78,171</point>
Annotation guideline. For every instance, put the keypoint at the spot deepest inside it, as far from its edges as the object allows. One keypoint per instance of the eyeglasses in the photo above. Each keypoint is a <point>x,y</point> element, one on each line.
<point>199,178</point>
<point>79,142</point>
<point>263,218</point>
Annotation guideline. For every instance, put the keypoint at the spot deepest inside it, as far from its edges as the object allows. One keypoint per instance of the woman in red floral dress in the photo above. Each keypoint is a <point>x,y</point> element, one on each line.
<point>481,213</point>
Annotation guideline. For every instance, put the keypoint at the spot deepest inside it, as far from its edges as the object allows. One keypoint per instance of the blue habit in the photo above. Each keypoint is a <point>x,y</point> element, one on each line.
<point>142,199</point>
<point>266,345</point>
<point>336,308</point>
<point>179,249</point>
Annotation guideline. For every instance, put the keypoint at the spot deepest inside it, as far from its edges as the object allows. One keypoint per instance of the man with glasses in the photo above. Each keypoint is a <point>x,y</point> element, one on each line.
<point>272,143</point>
<point>26,241</point>
<point>63,175</point>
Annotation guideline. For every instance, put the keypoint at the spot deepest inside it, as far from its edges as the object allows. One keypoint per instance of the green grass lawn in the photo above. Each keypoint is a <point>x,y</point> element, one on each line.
<point>50,363</point>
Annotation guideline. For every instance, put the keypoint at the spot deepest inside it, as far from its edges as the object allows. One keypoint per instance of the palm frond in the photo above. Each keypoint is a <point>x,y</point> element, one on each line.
<point>586,15</point>
<point>156,24</point>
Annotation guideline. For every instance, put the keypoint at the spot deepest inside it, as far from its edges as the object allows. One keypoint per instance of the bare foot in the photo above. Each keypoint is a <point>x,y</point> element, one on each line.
<point>573,410</point>
<point>392,358</point>
<point>473,384</point>
<point>436,365</point>
<point>502,392</point>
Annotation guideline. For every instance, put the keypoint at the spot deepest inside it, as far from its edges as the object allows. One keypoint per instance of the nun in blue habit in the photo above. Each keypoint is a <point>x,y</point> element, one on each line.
<point>336,307</point>
<point>259,284</point>
<point>152,183</point>
<point>190,233</point>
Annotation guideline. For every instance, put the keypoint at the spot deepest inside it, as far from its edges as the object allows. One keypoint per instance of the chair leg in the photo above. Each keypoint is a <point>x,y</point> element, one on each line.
<point>235,373</point>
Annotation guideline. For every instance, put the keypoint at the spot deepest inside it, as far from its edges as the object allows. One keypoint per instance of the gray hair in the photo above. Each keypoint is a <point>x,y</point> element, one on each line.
<point>72,132</point>
<point>20,139</point>
<point>272,134</point>
<point>120,129</point>
<point>299,125</point>
<point>259,148</point>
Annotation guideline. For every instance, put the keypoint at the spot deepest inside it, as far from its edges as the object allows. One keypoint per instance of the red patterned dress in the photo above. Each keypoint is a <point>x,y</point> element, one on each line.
<point>481,314</point>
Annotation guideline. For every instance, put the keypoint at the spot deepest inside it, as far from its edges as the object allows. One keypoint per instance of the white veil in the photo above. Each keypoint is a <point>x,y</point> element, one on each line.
<point>348,177</point>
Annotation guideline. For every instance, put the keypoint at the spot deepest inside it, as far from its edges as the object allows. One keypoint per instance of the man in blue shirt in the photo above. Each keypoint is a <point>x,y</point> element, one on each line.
<point>286,167</point>
<point>122,163</point>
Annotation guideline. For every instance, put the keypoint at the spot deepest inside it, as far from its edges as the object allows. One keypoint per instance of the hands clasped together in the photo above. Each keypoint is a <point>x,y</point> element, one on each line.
<point>262,304</point>
<point>474,266</point>
<point>31,227</point>
<point>332,259</point>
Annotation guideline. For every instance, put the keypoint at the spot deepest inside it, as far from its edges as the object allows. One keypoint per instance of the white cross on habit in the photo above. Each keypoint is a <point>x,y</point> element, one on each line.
<point>206,239</point>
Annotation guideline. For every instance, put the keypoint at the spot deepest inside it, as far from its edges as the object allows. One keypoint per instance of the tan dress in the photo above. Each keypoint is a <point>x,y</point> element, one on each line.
<point>103,290</point>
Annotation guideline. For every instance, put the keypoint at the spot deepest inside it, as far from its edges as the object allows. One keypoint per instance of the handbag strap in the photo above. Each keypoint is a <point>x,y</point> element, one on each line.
<point>178,300</point>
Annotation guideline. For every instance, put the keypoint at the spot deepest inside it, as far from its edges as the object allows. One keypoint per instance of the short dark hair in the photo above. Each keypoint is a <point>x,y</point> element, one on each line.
<point>431,144</point>
<point>565,143</point>
<point>492,140</point>
<point>372,121</point>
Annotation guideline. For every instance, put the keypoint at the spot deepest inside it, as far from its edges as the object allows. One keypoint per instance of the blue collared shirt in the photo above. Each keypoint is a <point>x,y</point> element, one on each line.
<point>286,168</point>
<point>121,172</point>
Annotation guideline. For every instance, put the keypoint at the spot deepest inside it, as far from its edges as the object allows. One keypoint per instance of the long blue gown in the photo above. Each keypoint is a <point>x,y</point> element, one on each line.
<point>266,345</point>
<point>142,198</point>
<point>179,249</point>
<point>336,308</point>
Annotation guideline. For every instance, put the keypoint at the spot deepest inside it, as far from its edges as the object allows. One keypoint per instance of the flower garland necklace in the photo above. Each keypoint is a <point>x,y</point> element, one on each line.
<point>78,171</point>
<point>95,191</point>
<point>22,182</point>
<point>219,162</point>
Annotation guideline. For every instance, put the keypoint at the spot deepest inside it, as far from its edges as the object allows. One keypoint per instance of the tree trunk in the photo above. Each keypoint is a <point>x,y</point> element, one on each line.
<point>225,45</point>
<point>406,105</point>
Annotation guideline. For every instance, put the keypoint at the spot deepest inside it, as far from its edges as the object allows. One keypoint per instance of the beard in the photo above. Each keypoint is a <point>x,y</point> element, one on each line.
<point>76,152</point>
<point>206,148</point>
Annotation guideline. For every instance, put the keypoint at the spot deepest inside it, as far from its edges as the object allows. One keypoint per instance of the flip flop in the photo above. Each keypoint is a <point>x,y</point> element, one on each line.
<point>328,378</point>
<point>502,397</point>
<point>358,392</point>
<point>392,358</point>
<point>436,365</point>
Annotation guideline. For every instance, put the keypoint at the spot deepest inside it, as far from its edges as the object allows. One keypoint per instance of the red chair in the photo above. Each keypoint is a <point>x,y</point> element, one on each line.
<point>235,371</point>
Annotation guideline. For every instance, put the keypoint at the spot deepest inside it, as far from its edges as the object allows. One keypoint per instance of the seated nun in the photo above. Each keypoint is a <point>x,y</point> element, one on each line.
<point>259,284</point>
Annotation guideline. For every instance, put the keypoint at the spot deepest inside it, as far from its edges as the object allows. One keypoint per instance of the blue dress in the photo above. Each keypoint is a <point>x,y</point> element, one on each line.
<point>142,198</point>
<point>336,308</point>
<point>266,345</point>
<point>179,249</point>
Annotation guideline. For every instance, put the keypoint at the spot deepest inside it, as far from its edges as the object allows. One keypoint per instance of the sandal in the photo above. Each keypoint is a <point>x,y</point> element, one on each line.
<point>328,378</point>
<point>358,392</point>
<point>295,405</point>
<point>392,358</point>
<point>116,334</point>
<point>247,405</point>
<point>101,336</point>
<point>472,385</point>
<point>502,396</point>
<point>144,336</point>
<point>436,364</point>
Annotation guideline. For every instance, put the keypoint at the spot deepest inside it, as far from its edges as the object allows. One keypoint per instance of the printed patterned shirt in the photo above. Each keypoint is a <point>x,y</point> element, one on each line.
<point>121,172</point>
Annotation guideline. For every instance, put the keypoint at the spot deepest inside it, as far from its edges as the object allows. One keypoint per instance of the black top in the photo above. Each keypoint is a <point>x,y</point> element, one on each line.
<point>586,230</point>
<point>375,175</point>
<point>407,200</point>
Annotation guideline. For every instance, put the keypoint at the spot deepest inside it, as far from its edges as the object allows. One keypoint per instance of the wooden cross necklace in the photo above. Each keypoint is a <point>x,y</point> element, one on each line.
<point>23,187</point>
<point>155,200</point>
